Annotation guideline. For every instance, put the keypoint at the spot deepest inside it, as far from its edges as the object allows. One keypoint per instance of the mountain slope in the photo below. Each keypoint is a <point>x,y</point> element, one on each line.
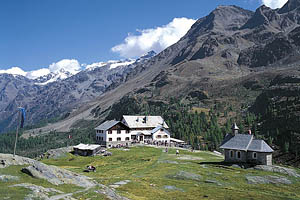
<point>56,94</point>
<point>212,58</point>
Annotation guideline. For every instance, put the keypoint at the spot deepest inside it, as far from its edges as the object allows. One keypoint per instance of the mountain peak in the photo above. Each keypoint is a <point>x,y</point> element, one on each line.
<point>259,17</point>
<point>289,6</point>
<point>228,17</point>
<point>147,55</point>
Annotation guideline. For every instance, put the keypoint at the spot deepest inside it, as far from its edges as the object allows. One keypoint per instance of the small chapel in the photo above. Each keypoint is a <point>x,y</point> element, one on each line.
<point>244,148</point>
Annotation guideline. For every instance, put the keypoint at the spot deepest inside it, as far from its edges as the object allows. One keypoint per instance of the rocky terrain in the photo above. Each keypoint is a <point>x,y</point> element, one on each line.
<point>52,174</point>
<point>55,95</point>
<point>233,56</point>
<point>143,173</point>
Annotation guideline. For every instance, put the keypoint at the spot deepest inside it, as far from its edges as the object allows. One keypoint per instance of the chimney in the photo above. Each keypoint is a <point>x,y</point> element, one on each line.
<point>235,129</point>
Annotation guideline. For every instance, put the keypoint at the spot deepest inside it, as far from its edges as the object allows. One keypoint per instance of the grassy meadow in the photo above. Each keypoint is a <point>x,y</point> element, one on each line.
<point>151,173</point>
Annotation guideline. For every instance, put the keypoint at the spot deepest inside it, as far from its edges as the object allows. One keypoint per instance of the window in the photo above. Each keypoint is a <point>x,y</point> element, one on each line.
<point>110,139</point>
<point>109,132</point>
<point>254,155</point>
<point>118,139</point>
<point>118,131</point>
<point>165,136</point>
<point>127,131</point>
<point>127,138</point>
<point>238,154</point>
<point>161,129</point>
<point>231,153</point>
<point>158,136</point>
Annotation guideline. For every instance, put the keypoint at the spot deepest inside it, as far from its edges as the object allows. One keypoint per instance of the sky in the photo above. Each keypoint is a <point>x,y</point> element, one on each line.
<point>37,37</point>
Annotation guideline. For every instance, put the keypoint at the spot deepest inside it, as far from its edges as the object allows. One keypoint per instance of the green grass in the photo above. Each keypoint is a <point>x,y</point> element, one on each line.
<point>150,170</point>
<point>18,193</point>
<point>149,173</point>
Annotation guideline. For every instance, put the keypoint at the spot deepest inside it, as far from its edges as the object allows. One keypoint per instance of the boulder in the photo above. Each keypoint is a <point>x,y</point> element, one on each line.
<point>8,178</point>
<point>278,169</point>
<point>171,187</point>
<point>56,175</point>
<point>267,180</point>
<point>182,175</point>
<point>7,160</point>
<point>38,192</point>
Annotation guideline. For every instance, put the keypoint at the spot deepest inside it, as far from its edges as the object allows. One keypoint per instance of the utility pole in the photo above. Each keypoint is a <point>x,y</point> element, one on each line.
<point>18,124</point>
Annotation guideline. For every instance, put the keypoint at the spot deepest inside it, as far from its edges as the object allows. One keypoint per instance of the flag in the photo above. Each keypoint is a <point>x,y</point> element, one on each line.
<point>23,114</point>
<point>70,137</point>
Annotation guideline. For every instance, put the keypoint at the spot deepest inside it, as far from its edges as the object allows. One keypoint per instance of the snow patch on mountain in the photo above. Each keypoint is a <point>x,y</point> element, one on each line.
<point>66,68</point>
<point>14,71</point>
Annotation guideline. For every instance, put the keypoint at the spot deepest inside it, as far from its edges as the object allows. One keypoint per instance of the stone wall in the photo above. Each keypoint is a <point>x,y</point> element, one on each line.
<point>235,158</point>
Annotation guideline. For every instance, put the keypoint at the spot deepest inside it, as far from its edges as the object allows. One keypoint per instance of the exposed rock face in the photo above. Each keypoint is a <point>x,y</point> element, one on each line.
<point>278,169</point>
<point>38,192</point>
<point>7,160</point>
<point>54,175</point>
<point>58,97</point>
<point>57,175</point>
<point>182,175</point>
<point>228,44</point>
<point>267,180</point>
<point>7,178</point>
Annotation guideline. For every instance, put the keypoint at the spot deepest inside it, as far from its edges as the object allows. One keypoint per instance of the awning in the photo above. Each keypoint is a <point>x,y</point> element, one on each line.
<point>176,140</point>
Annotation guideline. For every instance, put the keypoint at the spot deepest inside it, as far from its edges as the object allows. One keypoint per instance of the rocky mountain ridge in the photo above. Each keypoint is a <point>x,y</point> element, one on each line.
<point>58,93</point>
<point>219,54</point>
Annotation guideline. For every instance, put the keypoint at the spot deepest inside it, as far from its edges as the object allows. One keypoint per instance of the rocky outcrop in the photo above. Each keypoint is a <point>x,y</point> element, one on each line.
<point>39,192</point>
<point>54,175</point>
<point>7,160</point>
<point>8,178</point>
<point>57,176</point>
<point>267,180</point>
<point>278,169</point>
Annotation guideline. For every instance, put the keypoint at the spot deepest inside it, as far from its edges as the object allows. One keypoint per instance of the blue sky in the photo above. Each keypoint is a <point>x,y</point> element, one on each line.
<point>36,33</point>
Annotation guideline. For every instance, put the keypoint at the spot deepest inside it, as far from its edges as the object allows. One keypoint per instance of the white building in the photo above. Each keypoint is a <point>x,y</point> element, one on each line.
<point>86,149</point>
<point>147,128</point>
<point>113,133</point>
<point>142,129</point>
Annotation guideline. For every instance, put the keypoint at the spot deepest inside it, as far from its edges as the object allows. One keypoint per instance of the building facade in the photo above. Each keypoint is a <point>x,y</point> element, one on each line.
<point>133,129</point>
<point>113,133</point>
<point>243,148</point>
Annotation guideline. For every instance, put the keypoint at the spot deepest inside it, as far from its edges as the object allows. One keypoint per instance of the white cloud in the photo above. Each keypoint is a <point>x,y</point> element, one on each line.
<point>14,71</point>
<point>156,39</point>
<point>71,66</point>
<point>37,73</point>
<point>274,3</point>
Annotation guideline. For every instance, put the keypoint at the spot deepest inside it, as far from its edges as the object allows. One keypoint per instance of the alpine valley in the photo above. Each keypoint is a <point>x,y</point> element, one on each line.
<point>233,65</point>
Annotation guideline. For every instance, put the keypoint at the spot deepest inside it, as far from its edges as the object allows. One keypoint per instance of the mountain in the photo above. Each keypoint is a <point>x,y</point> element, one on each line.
<point>56,94</point>
<point>52,77</point>
<point>220,68</point>
<point>229,46</point>
<point>222,65</point>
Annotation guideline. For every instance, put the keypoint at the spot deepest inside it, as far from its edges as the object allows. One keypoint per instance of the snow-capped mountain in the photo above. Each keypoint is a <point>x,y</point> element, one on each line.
<point>53,76</point>
<point>59,91</point>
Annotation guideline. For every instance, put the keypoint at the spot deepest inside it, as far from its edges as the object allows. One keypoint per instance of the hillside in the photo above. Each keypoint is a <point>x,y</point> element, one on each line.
<point>220,67</point>
<point>52,97</point>
<point>149,173</point>
<point>215,57</point>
